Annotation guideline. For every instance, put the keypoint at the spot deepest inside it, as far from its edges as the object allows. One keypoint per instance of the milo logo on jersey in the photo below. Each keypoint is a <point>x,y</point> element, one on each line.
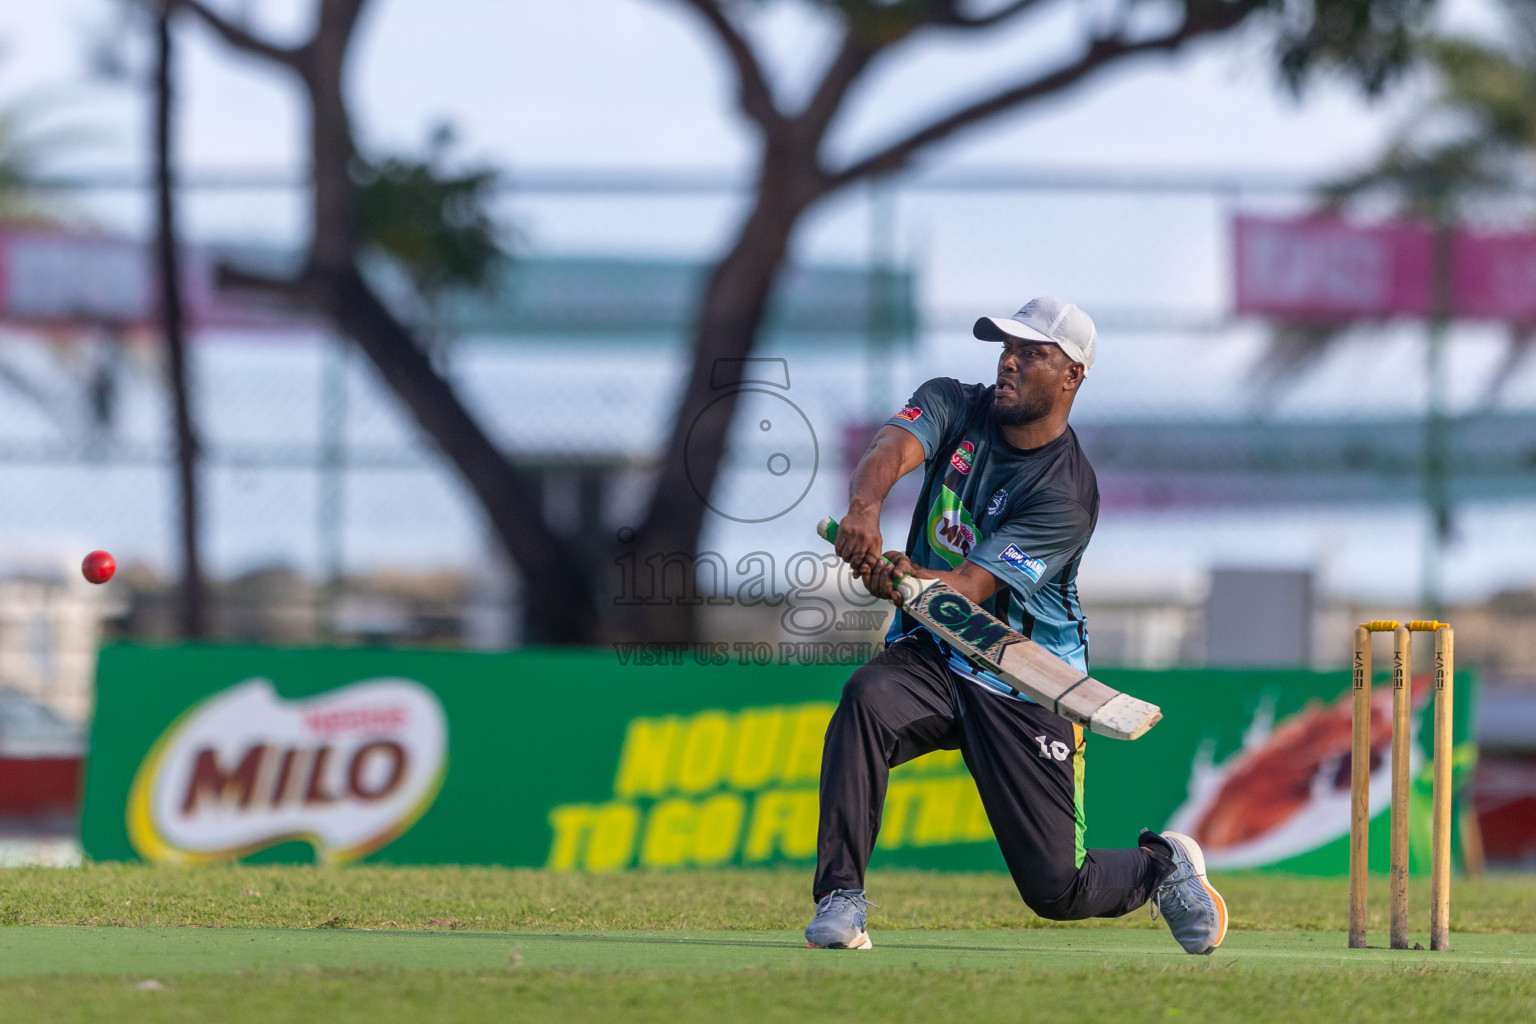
<point>952,534</point>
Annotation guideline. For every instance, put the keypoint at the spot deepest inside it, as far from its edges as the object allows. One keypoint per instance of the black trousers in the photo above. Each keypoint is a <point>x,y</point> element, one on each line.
<point>906,702</point>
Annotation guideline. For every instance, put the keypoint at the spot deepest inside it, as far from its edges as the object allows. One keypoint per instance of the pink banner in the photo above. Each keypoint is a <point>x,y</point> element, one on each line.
<point>57,278</point>
<point>1495,276</point>
<point>1326,269</point>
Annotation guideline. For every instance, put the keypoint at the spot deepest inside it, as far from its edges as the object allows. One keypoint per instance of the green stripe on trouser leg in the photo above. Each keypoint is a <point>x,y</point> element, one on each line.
<point>1077,793</point>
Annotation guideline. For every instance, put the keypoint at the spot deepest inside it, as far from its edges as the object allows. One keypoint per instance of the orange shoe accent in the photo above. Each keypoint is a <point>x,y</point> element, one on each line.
<point>1221,905</point>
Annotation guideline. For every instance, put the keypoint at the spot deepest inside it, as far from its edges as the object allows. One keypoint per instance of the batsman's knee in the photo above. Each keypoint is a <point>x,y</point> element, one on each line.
<point>1061,909</point>
<point>1052,894</point>
<point>866,688</point>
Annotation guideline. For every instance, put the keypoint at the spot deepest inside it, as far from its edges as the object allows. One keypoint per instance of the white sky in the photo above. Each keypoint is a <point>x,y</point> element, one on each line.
<point>635,83</point>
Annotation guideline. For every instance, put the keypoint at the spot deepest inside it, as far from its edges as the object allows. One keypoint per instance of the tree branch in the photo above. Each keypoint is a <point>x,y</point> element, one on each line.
<point>340,17</point>
<point>242,38</point>
<point>892,20</point>
<point>239,279</point>
<point>1211,18</point>
<point>1002,14</point>
<point>851,60</point>
<point>756,97</point>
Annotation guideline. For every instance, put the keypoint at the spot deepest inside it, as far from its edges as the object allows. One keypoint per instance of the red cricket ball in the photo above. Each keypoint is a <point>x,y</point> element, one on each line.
<point>98,566</point>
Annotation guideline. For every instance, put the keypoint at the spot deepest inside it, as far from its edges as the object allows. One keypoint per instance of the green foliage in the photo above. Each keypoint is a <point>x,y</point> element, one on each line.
<point>21,150</point>
<point>1477,132</point>
<point>14,169</point>
<point>27,141</point>
<point>434,223</point>
<point>1424,184</point>
<point>1494,88</point>
<point>1370,41</point>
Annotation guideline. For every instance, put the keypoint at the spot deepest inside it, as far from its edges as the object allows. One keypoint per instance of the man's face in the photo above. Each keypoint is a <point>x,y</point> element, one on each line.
<point>1030,378</point>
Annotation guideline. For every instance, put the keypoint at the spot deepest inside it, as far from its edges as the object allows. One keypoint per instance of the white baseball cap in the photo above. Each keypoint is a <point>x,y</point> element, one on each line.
<point>1050,320</point>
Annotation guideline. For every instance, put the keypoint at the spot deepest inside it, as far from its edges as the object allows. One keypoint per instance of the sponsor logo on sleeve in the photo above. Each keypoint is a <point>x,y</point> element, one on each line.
<point>1031,567</point>
<point>346,771</point>
<point>963,457</point>
<point>909,413</point>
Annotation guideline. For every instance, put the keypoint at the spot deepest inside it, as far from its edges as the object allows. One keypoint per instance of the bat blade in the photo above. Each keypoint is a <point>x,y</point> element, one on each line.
<point>1027,667</point>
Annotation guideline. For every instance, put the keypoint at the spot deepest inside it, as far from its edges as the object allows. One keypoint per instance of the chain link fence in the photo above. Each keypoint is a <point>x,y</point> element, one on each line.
<point>328,515</point>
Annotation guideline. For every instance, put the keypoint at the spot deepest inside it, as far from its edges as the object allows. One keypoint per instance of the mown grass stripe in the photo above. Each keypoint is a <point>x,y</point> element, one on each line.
<point>30,951</point>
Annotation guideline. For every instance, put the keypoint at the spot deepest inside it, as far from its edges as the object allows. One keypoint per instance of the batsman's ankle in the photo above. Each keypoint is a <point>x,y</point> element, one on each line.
<point>1161,852</point>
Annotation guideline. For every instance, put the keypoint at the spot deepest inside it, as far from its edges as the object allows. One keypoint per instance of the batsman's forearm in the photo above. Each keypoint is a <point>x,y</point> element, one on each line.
<point>971,586</point>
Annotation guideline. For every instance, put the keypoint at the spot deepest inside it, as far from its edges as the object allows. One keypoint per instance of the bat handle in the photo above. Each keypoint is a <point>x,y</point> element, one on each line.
<point>906,584</point>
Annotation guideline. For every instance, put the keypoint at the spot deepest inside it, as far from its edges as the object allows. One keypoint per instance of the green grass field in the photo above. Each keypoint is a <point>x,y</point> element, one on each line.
<point>387,945</point>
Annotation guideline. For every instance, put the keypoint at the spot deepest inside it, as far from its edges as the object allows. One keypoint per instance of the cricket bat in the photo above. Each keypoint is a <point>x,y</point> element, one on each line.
<point>1020,662</point>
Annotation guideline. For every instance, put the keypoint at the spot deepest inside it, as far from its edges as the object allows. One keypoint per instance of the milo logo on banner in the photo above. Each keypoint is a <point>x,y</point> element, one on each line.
<point>346,771</point>
<point>952,534</point>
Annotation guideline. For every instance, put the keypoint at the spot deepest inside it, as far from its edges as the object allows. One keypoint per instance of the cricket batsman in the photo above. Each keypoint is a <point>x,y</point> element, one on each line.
<point>1007,508</point>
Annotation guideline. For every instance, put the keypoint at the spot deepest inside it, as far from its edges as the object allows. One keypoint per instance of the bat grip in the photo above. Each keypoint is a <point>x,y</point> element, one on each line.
<point>906,584</point>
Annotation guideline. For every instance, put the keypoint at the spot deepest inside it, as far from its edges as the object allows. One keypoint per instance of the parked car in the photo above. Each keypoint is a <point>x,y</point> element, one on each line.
<point>30,730</point>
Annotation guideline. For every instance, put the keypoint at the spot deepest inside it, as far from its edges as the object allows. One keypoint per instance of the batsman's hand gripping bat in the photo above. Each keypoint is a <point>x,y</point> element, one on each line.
<point>1019,661</point>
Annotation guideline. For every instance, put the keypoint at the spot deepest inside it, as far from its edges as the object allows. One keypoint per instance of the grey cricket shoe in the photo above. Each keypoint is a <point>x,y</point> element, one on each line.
<point>839,921</point>
<point>1195,912</point>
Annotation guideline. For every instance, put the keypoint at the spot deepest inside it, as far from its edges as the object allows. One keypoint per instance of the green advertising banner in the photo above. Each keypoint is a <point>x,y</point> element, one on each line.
<point>593,761</point>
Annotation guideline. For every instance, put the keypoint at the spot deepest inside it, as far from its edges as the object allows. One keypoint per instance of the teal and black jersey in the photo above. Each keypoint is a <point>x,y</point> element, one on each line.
<point>1023,515</point>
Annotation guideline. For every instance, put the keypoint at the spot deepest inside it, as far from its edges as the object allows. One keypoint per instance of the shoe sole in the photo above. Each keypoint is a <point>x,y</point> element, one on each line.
<point>1197,858</point>
<point>860,941</point>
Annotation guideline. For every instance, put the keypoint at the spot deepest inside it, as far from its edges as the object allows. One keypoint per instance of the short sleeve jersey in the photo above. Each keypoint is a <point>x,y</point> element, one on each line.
<point>1024,515</point>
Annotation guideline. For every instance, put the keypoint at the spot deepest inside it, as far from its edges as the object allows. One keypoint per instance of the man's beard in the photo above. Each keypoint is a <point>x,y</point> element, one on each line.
<point>1024,410</point>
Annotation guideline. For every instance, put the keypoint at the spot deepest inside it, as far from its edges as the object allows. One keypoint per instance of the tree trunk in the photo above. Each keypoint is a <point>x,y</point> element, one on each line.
<point>730,321</point>
<point>559,602</point>
<point>190,612</point>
